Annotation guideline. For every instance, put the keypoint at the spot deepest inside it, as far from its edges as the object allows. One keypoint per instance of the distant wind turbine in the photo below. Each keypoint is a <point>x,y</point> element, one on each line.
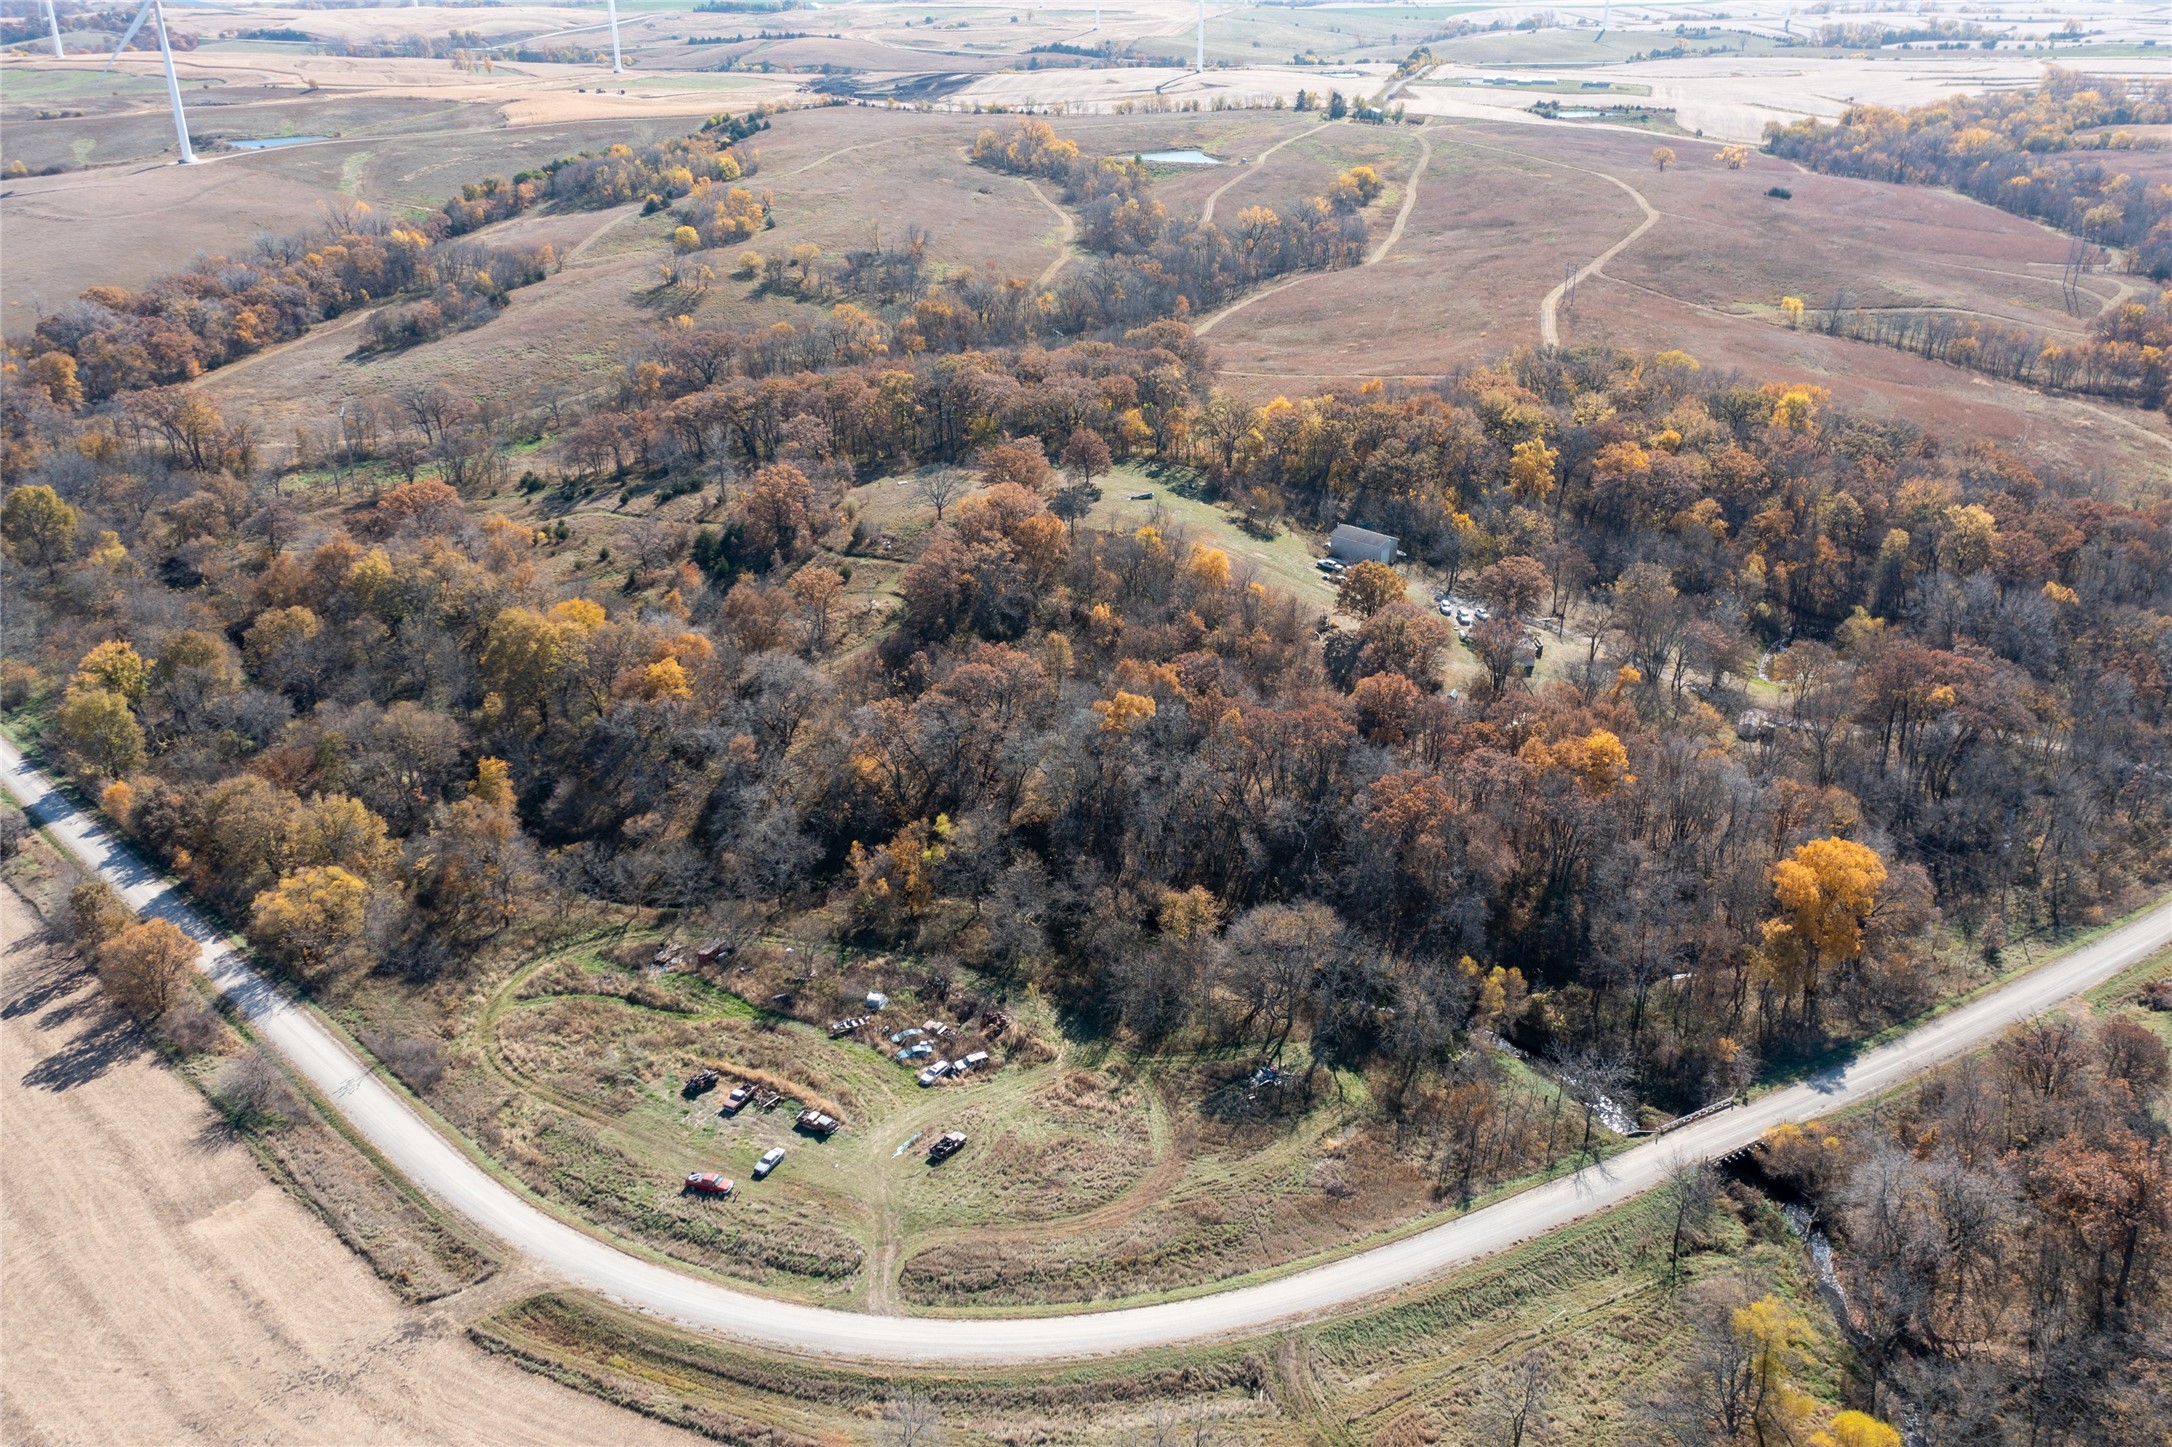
<point>618,66</point>
<point>152,11</point>
<point>52,21</point>
<point>1201,63</point>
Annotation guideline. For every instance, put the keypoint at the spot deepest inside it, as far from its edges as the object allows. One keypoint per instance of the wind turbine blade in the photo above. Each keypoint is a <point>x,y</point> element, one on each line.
<point>128,35</point>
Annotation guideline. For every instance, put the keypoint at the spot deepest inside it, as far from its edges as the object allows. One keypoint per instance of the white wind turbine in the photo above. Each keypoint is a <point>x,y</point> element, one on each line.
<point>156,14</point>
<point>52,21</point>
<point>618,66</point>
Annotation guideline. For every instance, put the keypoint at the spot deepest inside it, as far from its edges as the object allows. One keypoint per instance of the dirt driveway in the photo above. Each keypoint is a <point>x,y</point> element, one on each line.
<point>156,1286</point>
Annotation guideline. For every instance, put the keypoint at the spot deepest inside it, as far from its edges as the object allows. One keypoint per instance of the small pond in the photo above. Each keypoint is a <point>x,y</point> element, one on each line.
<point>1178,158</point>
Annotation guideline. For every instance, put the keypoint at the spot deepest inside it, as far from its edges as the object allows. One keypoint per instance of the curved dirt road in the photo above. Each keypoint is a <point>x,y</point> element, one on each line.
<point>1395,234</point>
<point>1206,212</point>
<point>1549,327</point>
<point>1063,246</point>
<point>431,1160</point>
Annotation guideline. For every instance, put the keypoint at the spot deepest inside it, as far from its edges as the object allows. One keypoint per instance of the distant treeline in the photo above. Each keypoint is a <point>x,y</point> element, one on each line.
<point>458,45</point>
<point>2021,151</point>
<point>2124,358</point>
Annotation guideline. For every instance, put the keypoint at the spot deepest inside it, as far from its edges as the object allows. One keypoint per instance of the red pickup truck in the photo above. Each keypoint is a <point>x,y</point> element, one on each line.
<point>708,1183</point>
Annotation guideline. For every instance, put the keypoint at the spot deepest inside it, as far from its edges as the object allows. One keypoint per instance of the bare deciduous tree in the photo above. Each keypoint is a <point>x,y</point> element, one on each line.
<point>1512,1406</point>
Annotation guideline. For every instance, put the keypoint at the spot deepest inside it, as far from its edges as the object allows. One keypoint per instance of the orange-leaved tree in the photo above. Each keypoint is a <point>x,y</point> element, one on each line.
<point>1369,587</point>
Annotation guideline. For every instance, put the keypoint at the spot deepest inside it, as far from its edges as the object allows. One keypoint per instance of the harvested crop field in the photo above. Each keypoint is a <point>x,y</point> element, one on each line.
<point>159,1288</point>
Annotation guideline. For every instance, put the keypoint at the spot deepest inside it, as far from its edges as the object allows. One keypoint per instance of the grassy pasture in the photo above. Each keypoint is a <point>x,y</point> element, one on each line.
<point>1504,212</point>
<point>1092,1175</point>
<point>1597,1298</point>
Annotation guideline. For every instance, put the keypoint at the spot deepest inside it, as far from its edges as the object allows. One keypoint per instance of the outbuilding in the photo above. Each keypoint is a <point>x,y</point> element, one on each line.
<point>1350,544</point>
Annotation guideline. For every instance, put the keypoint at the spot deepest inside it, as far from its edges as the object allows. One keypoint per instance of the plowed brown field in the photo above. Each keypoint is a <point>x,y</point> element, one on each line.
<point>155,1286</point>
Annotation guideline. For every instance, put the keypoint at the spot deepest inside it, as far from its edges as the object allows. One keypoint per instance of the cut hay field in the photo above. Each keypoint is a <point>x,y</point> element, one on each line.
<point>839,178</point>
<point>123,224</point>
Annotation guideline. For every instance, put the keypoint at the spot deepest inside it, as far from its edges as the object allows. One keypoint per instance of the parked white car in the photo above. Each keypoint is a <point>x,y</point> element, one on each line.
<point>935,1072</point>
<point>768,1162</point>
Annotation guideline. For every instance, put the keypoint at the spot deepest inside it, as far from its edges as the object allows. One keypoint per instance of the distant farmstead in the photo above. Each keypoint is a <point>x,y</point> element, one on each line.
<point>1360,545</point>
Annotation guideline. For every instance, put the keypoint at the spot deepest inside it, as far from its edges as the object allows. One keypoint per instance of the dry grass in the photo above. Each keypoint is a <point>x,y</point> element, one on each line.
<point>1596,1298</point>
<point>1505,210</point>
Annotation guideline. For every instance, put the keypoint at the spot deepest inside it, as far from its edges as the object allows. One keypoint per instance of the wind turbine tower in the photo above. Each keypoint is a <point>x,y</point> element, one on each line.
<point>52,21</point>
<point>618,65</point>
<point>157,15</point>
<point>1200,62</point>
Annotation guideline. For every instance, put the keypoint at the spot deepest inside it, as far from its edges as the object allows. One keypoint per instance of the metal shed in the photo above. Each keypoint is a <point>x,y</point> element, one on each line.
<point>1358,545</point>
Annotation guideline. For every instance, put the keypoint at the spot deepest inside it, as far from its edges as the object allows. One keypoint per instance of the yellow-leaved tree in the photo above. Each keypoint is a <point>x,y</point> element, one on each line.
<point>311,917</point>
<point>1856,1429</point>
<point>1826,891</point>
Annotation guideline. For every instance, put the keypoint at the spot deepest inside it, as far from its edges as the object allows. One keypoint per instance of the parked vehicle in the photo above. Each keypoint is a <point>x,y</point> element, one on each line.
<point>876,1000</point>
<point>769,1161</point>
<point>1447,609</point>
<point>707,1183</point>
<point>948,1144</point>
<point>814,1122</point>
<point>1480,614</point>
<point>935,1072</point>
<point>740,1095</point>
<point>846,1027</point>
<point>1463,616</point>
<point>701,1082</point>
<point>910,1032</point>
<point>1327,565</point>
<point>978,1060</point>
<point>915,1052</point>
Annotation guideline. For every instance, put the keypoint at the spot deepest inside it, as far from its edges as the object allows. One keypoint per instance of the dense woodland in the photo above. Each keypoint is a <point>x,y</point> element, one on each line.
<point>1832,710</point>
<point>2001,1234</point>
